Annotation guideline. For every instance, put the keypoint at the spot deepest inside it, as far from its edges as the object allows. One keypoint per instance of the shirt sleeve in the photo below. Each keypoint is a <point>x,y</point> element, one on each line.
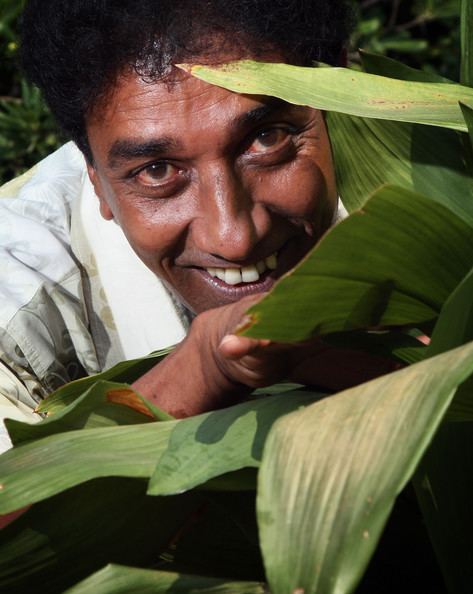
<point>16,402</point>
<point>41,306</point>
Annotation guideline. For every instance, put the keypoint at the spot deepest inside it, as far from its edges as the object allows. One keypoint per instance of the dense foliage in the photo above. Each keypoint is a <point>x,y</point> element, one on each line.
<point>423,33</point>
<point>27,130</point>
<point>109,479</point>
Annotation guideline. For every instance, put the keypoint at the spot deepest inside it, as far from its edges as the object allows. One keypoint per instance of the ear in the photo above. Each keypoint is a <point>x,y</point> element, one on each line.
<point>105,209</point>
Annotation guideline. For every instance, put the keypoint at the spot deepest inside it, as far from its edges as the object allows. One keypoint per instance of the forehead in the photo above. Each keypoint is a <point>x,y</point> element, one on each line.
<point>180,109</point>
<point>185,97</point>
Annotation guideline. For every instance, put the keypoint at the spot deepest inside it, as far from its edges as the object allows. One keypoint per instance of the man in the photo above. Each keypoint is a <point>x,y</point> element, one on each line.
<point>184,203</point>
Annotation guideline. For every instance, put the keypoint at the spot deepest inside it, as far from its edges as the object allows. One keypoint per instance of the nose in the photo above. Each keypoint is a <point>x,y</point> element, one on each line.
<point>231,221</point>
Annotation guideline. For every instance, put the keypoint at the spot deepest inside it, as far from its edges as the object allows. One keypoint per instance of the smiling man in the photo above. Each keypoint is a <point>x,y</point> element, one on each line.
<point>184,203</point>
<point>219,194</point>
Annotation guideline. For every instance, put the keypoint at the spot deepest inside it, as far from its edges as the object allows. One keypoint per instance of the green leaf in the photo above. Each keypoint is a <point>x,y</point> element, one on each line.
<point>467,111</point>
<point>389,344</point>
<point>34,471</point>
<point>455,324</point>
<point>344,90</point>
<point>466,69</point>
<point>443,481</point>
<point>64,539</point>
<point>454,328</point>
<point>123,580</point>
<point>394,262</point>
<point>224,441</point>
<point>407,46</point>
<point>103,405</point>
<point>227,440</point>
<point>126,371</point>
<point>419,158</point>
<point>384,66</point>
<point>330,474</point>
<point>444,488</point>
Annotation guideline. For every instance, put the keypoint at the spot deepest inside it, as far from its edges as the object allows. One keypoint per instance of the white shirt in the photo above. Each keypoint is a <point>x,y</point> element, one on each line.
<point>74,297</point>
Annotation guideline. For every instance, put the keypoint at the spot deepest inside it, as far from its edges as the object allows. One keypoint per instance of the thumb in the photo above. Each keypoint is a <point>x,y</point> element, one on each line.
<point>235,347</point>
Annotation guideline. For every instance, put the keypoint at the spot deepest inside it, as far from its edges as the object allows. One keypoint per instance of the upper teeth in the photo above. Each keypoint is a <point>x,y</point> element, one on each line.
<point>247,274</point>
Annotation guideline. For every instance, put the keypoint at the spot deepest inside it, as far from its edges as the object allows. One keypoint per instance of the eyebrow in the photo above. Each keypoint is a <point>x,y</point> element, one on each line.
<point>259,114</point>
<point>123,150</point>
<point>126,149</point>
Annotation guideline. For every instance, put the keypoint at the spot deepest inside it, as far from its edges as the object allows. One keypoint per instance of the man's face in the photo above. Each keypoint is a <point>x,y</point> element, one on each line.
<point>219,194</point>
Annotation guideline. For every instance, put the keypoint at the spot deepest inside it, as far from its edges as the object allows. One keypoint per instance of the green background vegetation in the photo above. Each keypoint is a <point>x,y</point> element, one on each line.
<point>421,33</point>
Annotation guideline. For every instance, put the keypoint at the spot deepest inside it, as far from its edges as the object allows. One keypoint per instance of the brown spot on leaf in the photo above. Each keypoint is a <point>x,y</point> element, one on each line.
<point>129,398</point>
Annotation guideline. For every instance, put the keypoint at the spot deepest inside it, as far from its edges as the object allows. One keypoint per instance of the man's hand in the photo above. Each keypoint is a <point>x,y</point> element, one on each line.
<point>213,367</point>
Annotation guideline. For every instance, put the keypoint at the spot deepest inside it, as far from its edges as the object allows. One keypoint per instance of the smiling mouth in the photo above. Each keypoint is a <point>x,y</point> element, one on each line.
<point>245,274</point>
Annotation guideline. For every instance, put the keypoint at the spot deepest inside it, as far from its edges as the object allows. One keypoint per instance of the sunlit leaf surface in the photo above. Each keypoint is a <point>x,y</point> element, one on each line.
<point>206,446</point>
<point>225,441</point>
<point>393,262</point>
<point>330,474</point>
<point>344,90</point>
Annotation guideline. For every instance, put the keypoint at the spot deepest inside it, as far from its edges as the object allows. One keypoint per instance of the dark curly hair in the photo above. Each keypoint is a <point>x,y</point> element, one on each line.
<point>73,50</point>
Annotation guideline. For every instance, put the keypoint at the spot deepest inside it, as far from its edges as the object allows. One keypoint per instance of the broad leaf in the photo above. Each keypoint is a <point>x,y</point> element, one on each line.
<point>455,324</point>
<point>384,66</point>
<point>388,344</point>
<point>468,115</point>
<point>115,579</point>
<point>454,328</point>
<point>330,474</point>
<point>345,91</point>
<point>443,481</point>
<point>126,371</point>
<point>103,405</point>
<point>466,68</point>
<point>65,538</point>
<point>36,470</point>
<point>419,158</point>
<point>225,440</point>
<point>394,262</point>
<point>444,486</point>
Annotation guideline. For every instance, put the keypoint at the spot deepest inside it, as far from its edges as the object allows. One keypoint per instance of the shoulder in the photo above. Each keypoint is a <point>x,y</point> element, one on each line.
<point>47,191</point>
<point>40,281</point>
<point>35,214</point>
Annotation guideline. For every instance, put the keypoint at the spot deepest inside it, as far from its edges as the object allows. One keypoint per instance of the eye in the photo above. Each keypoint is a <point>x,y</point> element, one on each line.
<point>157,174</point>
<point>269,140</point>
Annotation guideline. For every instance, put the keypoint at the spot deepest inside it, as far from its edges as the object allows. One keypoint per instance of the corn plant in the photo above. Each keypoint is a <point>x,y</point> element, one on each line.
<point>124,498</point>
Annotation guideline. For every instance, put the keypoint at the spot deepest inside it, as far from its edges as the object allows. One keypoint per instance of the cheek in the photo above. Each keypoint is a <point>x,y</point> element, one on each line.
<point>299,190</point>
<point>153,229</point>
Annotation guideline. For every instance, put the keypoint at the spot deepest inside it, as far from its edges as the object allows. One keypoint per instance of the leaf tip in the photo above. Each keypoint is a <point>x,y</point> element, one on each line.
<point>186,67</point>
<point>248,321</point>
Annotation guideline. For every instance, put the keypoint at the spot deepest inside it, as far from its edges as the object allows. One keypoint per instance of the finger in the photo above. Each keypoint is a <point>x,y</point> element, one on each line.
<point>235,347</point>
